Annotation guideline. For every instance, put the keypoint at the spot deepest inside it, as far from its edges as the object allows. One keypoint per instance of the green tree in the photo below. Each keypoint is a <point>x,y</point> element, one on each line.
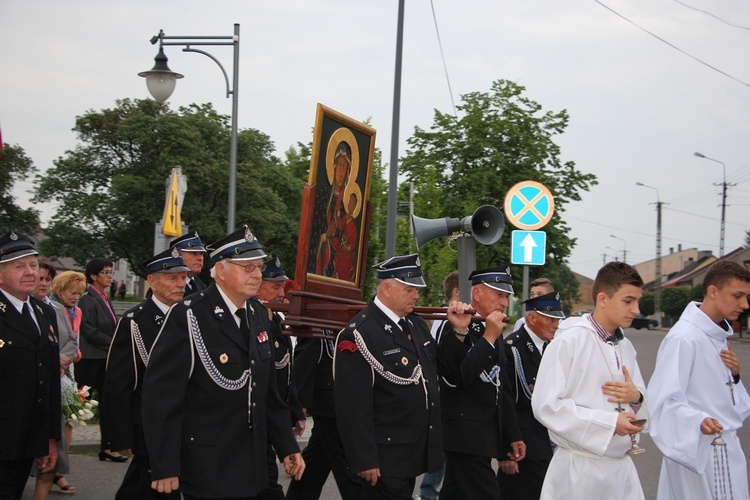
<point>500,138</point>
<point>674,300</point>
<point>110,189</point>
<point>646,304</point>
<point>696,293</point>
<point>15,167</point>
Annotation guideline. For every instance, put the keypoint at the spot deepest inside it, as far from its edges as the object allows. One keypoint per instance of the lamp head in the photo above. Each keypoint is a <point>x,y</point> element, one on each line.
<point>699,155</point>
<point>160,80</point>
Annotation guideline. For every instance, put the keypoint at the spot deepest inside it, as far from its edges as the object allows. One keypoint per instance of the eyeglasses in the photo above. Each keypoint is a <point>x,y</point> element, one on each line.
<point>249,268</point>
<point>108,273</point>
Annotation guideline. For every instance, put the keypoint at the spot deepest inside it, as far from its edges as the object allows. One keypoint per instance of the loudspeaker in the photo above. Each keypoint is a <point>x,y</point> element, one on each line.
<point>486,225</point>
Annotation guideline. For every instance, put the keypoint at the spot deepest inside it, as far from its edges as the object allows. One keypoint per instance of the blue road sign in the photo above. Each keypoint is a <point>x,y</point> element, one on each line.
<point>528,248</point>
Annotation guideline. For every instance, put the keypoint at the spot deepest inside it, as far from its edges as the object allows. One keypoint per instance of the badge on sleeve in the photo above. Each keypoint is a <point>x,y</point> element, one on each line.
<point>348,345</point>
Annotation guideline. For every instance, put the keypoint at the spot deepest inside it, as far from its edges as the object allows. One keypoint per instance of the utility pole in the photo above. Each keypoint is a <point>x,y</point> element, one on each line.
<point>657,278</point>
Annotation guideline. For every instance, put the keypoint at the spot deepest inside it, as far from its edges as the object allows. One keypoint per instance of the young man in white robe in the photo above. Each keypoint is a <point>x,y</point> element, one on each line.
<point>696,392</point>
<point>588,390</point>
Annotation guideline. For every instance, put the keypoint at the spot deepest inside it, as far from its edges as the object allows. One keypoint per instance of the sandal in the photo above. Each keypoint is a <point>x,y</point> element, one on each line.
<point>65,489</point>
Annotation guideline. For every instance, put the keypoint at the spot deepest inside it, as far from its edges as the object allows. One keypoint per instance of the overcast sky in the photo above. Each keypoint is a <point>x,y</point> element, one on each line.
<point>638,107</point>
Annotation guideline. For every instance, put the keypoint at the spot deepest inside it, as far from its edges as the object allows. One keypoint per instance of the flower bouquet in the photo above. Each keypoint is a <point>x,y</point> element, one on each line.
<point>76,409</point>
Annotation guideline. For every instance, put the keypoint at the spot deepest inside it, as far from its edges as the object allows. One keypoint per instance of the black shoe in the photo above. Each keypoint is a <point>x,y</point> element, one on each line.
<point>103,455</point>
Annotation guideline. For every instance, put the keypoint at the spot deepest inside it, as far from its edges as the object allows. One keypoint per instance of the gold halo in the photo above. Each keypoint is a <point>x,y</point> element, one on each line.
<point>342,134</point>
<point>353,188</point>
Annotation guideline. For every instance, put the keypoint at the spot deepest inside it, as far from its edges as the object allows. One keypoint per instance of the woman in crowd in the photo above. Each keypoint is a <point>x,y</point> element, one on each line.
<point>68,344</point>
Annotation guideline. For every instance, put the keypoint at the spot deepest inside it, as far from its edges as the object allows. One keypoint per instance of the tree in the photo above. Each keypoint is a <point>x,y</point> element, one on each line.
<point>15,167</point>
<point>647,304</point>
<point>500,139</point>
<point>696,293</point>
<point>674,300</point>
<point>747,238</point>
<point>110,189</point>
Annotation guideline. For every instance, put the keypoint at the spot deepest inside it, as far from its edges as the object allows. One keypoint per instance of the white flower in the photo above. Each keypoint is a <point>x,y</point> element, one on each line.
<point>81,413</point>
<point>82,423</point>
<point>94,402</point>
<point>73,417</point>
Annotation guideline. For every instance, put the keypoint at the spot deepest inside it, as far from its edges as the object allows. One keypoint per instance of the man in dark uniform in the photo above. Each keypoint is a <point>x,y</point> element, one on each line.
<point>29,370</point>
<point>386,386</point>
<point>126,366</point>
<point>191,249</point>
<point>324,453</point>
<point>524,348</point>
<point>478,416</point>
<point>210,400</point>
<point>272,291</point>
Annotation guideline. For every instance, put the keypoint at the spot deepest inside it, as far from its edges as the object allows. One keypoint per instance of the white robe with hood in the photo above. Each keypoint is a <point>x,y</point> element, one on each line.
<point>689,384</point>
<point>590,460</point>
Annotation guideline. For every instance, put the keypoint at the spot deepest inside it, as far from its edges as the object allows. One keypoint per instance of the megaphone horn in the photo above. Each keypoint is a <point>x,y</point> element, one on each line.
<point>426,230</point>
<point>486,224</point>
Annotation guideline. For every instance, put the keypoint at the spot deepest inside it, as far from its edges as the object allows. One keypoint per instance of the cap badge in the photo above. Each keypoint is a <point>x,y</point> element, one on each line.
<point>557,296</point>
<point>417,262</point>
<point>248,235</point>
<point>13,236</point>
<point>175,252</point>
<point>278,262</point>
<point>223,358</point>
<point>507,270</point>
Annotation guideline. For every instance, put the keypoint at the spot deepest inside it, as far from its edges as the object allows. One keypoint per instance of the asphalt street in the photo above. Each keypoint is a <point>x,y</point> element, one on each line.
<point>97,480</point>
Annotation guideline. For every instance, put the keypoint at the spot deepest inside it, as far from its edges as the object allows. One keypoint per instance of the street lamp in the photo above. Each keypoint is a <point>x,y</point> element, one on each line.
<point>723,197</point>
<point>657,277</point>
<point>624,248</point>
<point>161,81</point>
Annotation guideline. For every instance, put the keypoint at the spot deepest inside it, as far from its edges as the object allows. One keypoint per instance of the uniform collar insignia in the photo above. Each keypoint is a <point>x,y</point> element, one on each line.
<point>39,309</point>
<point>218,311</point>
<point>158,318</point>
<point>187,302</point>
<point>2,306</point>
<point>530,346</point>
<point>388,328</point>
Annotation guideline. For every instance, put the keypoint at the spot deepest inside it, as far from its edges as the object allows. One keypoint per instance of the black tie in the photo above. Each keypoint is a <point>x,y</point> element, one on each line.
<point>544,347</point>
<point>405,327</point>
<point>29,319</point>
<point>244,327</point>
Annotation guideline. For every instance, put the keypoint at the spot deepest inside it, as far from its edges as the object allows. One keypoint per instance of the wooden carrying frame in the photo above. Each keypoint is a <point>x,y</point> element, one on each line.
<point>334,226</point>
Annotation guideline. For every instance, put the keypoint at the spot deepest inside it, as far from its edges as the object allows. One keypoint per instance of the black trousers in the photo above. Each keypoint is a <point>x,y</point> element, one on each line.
<point>324,454</point>
<point>469,477</point>
<point>91,372</point>
<point>13,477</point>
<point>527,484</point>
<point>390,488</point>
<point>275,490</point>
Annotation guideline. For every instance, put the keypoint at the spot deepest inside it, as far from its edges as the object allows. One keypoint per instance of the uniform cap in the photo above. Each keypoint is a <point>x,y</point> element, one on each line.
<point>272,271</point>
<point>239,245</point>
<point>168,261</point>
<point>404,268</point>
<point>495,277</point>
<point>547,305</point>
<point>14,246</point>
<point>188,242</point>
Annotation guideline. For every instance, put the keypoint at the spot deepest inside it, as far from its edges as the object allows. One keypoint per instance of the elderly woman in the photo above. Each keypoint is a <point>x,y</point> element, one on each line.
<point>70,285</point>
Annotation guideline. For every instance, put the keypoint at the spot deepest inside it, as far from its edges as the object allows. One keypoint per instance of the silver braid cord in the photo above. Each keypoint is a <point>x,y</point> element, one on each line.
<point>211,369</point>
<point>722,475</point>
<point>139,344</point>
<point>280,365</point>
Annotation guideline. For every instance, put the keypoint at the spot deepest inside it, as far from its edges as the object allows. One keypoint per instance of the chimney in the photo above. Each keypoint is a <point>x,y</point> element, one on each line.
<point>679,247</point>
<point>671,250</point>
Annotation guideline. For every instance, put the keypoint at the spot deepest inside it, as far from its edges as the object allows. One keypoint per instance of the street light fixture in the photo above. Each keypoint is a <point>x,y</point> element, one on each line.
<point>657,274</point>
<point>624,246</point>
<point>723,197</point>
<point>161,81</point>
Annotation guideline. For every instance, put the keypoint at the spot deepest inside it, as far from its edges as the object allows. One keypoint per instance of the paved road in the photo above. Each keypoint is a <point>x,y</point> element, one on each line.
<point>97,480</point>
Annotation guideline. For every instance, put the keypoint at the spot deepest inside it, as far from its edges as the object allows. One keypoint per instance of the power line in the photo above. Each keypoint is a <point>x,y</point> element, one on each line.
<point>442,55</point>
<point>713,15</point>
<point>672,45</point>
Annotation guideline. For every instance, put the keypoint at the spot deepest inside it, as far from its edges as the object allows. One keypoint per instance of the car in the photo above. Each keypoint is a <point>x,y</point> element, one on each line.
<point>581,312</point>
<point>642,321</point>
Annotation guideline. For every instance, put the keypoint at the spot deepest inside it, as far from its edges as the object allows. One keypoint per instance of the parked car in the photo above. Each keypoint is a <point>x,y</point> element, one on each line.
<point>581,312</point>
<point>642,321</point>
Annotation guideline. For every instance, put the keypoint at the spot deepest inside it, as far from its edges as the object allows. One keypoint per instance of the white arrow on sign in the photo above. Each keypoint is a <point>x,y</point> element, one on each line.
<point>528,245</point>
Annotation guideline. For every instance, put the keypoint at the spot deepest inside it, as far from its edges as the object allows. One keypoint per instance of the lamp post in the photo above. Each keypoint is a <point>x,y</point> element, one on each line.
<point>723,198</point>
<point>657,274</point>
<point>624,248</point>
<point>161,81</point>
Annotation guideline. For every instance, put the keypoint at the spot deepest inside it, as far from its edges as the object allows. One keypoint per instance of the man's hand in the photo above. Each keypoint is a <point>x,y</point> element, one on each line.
<point>47,463</point>
<point>496,321</point>
<point>371,476</point>
<point>624,427</point>
<point>166,485</point>
<point>710,426</point>
<point>64,363</point>
<point>518,451</point>
<point>508,467</point>
<point>299,427</point>
<point>458,316</point>
<point>294,465</point>
<point>731,360</point>
<point>622,392</point>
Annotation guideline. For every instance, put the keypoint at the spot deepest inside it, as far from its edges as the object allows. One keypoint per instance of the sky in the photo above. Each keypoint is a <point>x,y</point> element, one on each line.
<point>639,105</point>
